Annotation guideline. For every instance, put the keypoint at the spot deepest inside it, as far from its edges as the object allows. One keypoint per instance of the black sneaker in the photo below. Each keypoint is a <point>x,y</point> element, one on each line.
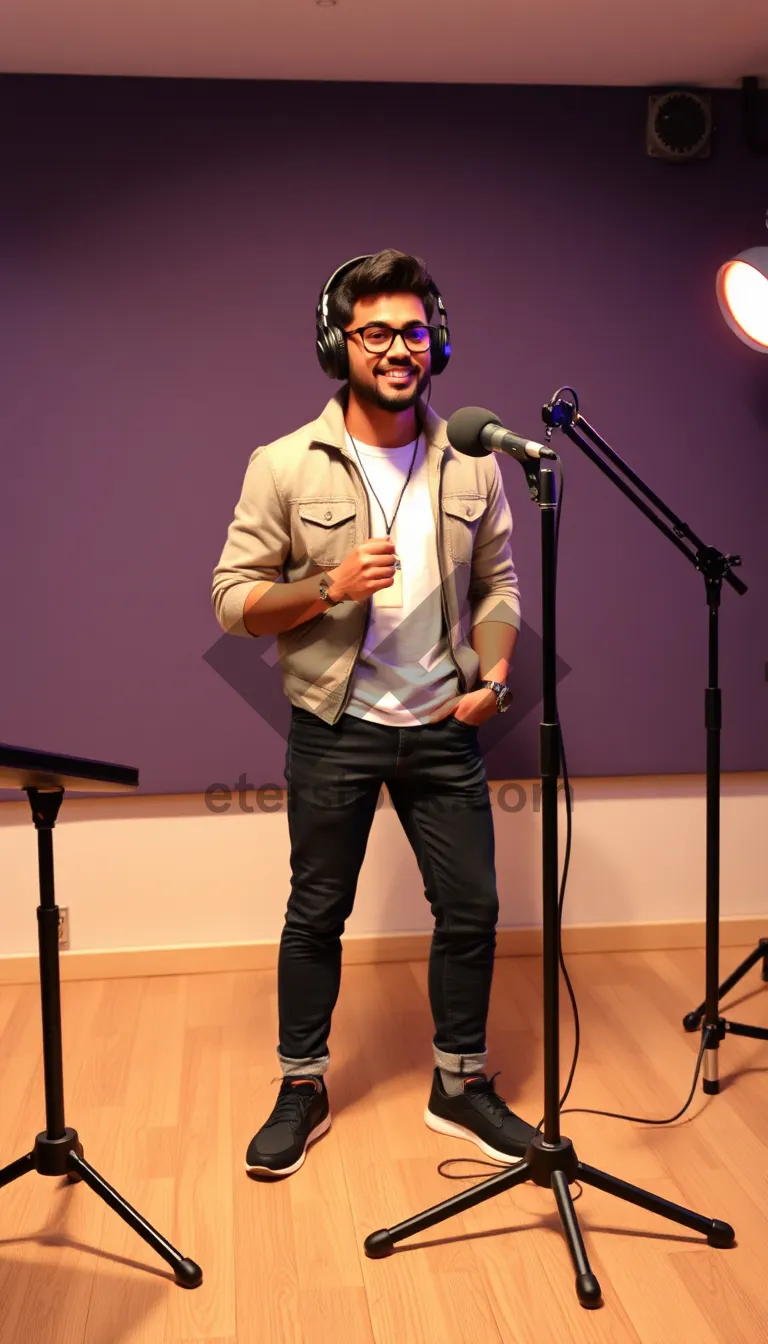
<point>301,1114</point>
<point>479,1114</point>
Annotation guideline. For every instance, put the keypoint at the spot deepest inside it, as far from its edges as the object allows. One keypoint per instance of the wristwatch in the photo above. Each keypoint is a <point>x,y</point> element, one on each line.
<point>502,692</point>
<point>326,582</point>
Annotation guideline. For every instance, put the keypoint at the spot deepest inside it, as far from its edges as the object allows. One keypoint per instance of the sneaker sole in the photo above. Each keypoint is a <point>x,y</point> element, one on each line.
<point>453,1131</point>
<point>316,1133</point>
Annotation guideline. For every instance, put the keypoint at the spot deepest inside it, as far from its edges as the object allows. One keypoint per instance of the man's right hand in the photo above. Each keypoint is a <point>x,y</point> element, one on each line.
<point>364,571</point>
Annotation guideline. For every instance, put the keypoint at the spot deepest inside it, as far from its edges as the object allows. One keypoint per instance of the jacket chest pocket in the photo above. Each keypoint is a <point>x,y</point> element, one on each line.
<point>461,520</point>
<point>324,529</point>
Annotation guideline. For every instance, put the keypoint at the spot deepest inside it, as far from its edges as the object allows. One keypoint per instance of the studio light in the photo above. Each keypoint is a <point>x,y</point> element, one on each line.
<point>742,292</point>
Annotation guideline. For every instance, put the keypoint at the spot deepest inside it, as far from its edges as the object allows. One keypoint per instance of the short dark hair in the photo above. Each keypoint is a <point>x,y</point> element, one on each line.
<point>387,272</point>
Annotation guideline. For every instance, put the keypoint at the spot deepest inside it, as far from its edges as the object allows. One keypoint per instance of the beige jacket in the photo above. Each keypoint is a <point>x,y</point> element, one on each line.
<point>304,507</point>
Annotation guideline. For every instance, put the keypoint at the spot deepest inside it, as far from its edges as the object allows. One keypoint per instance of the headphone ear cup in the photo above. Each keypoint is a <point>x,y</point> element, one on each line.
<point>332,352</point>
<point>323,353</point>
<point>341,354</point>
<point>440,350</point>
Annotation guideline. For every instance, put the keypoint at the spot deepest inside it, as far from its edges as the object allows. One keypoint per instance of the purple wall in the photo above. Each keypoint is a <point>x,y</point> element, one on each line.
<point>162,245</point>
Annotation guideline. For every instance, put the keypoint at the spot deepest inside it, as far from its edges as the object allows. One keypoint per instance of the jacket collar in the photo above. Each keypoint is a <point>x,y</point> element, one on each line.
<point>329,428</point>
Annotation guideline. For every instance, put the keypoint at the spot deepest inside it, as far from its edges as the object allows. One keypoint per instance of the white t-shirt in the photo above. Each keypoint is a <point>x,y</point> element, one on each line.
<point>404,671</point>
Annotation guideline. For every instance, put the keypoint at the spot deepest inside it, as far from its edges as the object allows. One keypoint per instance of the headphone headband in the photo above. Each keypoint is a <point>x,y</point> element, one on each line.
<point>331,345</point>
<point>333,281</point>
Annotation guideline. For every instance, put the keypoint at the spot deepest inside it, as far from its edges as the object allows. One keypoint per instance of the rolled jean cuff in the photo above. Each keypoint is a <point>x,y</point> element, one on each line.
<point>292,1067</point>
<point>460,1063</point>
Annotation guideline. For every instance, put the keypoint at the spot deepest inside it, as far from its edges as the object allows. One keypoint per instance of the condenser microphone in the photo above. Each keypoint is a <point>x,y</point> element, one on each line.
<point>477,432</point>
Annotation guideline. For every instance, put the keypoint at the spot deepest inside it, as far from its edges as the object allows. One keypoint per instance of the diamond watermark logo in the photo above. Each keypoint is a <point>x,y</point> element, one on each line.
<point>252,668</point>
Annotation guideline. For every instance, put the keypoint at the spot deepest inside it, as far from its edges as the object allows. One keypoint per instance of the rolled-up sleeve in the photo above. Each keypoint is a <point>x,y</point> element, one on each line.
<point>493,591</point>
<point>257,545</point>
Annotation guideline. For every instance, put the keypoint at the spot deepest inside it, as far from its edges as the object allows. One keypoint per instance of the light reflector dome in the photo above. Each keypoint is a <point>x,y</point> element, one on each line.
<point>742,292</point>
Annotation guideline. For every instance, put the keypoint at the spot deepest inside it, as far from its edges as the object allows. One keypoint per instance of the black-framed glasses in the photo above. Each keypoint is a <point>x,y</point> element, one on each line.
<point>377,337</point>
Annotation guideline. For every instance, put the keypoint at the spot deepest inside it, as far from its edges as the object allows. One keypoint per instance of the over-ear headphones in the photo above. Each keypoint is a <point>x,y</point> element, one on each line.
<point>332,344</point>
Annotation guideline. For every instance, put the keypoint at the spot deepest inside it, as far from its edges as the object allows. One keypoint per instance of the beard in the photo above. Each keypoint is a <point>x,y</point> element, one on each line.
<point>371,392</point>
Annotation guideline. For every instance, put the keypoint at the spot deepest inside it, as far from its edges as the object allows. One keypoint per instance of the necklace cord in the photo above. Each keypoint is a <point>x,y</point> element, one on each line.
<point>387,525</point>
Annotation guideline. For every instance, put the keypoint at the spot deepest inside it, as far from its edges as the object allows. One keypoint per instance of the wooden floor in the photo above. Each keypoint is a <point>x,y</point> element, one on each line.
<point>167,1079</point>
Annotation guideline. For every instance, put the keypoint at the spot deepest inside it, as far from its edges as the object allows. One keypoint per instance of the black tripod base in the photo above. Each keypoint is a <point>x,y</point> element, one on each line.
<point>693,1020</point>
<point>64,1157</point>
<point>716,1028</point>
<point>557,1167</point>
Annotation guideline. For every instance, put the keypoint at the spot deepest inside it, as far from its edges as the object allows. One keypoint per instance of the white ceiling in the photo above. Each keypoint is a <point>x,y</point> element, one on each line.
<point>643,42</point>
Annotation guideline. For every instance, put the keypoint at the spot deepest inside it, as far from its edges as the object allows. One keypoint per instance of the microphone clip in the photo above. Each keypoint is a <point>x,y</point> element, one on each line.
<point>532,469</point>
<point>559,412</point>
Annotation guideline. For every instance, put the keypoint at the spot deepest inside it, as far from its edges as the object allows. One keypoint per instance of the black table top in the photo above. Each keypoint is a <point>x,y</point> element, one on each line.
<point>23,767</point>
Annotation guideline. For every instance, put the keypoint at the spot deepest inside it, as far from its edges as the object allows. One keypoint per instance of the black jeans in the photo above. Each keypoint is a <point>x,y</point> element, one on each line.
<point>436,779</point>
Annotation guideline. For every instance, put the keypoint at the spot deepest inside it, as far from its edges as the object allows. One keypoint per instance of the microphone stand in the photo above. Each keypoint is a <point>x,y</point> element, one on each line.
<point>715,567</point>
<point>551,1159</point>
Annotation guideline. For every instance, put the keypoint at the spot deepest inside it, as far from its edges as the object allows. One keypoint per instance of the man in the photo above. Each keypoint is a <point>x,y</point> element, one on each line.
<point>381,559</point>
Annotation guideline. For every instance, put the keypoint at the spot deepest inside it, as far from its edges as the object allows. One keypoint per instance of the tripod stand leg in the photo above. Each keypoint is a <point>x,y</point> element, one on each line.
<point>16,1169</point>
<point>587,1286</point>
<point>188,1274</point>
<point>380,1243</point>
<point>692,1020</point>
<point>744,1029</point>
<point>717,1233</point>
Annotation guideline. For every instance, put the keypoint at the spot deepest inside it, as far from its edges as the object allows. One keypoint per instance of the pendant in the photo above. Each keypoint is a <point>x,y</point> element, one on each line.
<point>392,596</point>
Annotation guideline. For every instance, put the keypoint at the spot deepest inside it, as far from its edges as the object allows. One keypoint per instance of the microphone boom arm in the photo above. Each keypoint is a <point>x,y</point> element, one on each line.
<point>559,413</point>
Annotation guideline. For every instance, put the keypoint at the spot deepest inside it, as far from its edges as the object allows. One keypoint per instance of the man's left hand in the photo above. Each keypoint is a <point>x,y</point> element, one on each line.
<point>473,708</point>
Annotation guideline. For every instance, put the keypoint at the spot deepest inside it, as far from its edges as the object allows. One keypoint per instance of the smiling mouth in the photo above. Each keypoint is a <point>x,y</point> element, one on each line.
<point>397,375</point>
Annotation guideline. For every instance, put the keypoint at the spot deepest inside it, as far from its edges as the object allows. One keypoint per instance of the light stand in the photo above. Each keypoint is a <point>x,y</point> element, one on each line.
<point>551,1159</point>
<point>563,414</point>
<point>57,1149</point>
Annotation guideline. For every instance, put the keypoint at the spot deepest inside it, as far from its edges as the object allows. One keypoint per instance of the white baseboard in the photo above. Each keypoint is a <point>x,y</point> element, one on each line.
<point>120,963</point>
